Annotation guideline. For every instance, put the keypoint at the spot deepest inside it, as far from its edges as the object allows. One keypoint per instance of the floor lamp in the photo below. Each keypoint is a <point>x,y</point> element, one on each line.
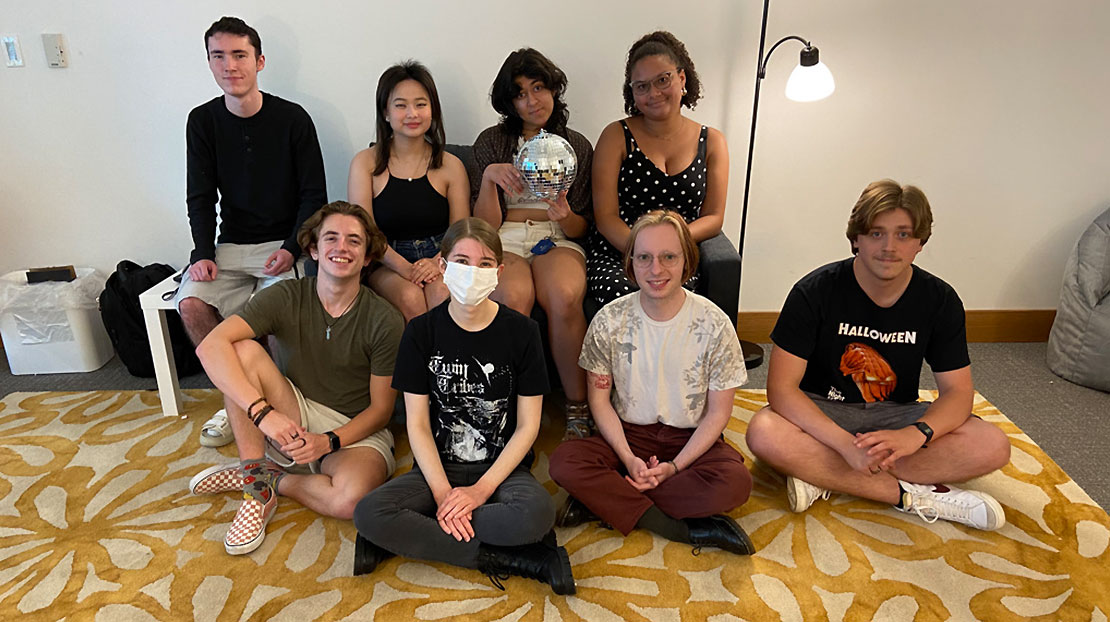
<point>810,81</point>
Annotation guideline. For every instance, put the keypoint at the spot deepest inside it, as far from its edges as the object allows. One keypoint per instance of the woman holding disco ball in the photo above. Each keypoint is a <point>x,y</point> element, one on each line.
<point>542,262</point>
<point>412,188</point>
<point>656,158</point>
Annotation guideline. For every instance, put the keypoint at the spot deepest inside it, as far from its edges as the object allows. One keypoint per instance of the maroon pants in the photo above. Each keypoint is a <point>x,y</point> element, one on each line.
<point>591,472</point>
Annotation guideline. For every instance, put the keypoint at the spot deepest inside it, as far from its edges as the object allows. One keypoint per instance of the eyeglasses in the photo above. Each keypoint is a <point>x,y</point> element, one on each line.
<point>644,260</point>
<point>661,82</point>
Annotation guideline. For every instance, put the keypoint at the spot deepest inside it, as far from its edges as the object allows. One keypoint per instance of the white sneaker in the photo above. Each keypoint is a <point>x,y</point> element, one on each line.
<point>933,501</point>
<point>216,432</point>
<point>801,494</point>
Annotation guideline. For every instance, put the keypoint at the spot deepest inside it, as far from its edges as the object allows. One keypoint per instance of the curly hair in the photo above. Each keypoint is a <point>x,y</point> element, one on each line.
<point>436,137</point>
<point>531,64</point>
<point>661,43</point>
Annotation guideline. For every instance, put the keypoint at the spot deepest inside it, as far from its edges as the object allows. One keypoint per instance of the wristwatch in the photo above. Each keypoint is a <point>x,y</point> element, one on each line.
<point>333,438</point>
<point>926,430</point>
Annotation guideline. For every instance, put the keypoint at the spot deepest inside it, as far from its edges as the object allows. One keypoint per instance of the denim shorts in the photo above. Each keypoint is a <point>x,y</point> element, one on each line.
<point>420,248</point>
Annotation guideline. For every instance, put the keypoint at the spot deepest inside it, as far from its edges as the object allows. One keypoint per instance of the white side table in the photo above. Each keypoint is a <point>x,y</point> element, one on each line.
<point>158,331</point>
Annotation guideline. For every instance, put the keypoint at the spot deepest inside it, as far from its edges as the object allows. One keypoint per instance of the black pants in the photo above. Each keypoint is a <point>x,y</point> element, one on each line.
<point>399,516</point>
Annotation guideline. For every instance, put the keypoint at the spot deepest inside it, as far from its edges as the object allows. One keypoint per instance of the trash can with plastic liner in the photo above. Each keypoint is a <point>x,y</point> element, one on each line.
<point>53,327</point>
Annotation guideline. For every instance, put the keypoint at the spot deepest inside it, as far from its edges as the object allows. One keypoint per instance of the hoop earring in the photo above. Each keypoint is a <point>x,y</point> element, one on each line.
<point>684,91</point>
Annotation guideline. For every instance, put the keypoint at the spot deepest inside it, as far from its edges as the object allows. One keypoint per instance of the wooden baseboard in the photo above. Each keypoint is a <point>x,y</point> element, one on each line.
<point>983,326</point>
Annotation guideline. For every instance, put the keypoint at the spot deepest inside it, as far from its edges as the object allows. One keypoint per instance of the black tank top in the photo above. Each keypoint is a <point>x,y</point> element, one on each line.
<point>411,209</point>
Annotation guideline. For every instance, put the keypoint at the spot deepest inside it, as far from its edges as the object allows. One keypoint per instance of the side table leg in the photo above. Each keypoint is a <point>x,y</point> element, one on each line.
<point>165,368</point>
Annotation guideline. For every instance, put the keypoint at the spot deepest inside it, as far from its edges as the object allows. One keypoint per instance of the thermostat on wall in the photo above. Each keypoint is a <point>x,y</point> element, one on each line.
<point>55,50</point>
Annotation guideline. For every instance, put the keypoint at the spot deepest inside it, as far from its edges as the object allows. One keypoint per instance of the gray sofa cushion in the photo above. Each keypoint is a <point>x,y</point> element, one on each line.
<point>1079,344</point>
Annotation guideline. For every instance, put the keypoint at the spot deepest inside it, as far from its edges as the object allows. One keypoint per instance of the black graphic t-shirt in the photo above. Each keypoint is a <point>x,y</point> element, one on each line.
<point>857,351</point>
<point>472,379</point>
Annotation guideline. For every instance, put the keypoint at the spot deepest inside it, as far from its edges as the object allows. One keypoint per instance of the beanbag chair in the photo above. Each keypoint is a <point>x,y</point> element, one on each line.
<point>1079,343</point>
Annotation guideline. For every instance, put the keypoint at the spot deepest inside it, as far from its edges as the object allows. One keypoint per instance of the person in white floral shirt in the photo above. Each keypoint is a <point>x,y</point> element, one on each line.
<point>662,365</point>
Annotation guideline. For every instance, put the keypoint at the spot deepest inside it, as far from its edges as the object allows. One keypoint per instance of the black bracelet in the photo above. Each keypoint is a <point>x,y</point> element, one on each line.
<point>674,465</point>
<point>250,415</point>
<point>262,412</point>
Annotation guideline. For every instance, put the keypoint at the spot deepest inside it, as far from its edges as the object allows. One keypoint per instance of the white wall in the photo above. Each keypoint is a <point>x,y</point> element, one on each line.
<point>983,104</point>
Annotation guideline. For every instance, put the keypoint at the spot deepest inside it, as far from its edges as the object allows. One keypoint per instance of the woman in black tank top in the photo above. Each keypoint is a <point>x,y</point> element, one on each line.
<point>411,186</point>
<point>656,158</point>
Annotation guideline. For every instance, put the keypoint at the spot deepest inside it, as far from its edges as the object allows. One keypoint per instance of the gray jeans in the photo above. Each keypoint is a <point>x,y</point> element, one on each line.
<point>399,516</point>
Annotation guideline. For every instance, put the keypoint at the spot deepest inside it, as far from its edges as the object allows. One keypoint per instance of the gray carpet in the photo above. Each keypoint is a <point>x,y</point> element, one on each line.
<point>1067,420</point>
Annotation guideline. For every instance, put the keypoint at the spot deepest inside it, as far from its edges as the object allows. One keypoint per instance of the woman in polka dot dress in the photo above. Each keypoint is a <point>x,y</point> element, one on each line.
<point>656,158</point>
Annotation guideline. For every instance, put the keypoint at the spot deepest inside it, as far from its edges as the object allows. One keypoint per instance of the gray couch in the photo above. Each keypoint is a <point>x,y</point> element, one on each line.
<point>1079,344</point>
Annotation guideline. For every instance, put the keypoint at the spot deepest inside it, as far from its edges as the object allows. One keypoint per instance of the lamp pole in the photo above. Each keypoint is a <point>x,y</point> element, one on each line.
<point>753,353</point>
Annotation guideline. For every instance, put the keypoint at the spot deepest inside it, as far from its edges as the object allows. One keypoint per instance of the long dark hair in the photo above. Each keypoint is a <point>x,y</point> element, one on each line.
<point>661,43</point>
<point>408,70</point>
<point>531,64</point>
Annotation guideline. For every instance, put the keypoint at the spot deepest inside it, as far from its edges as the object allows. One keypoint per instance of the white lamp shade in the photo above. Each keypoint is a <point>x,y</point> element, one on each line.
<point>809,84</point>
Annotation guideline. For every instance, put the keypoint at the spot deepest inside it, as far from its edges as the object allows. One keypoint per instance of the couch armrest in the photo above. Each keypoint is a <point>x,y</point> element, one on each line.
<point>720,274</point>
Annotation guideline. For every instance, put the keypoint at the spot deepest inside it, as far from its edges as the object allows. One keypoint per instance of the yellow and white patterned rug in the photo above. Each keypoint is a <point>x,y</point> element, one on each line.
<point>96,523</point>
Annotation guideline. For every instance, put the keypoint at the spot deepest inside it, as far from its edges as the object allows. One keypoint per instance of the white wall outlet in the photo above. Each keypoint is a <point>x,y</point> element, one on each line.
<point>12,54</point>
<point>56,55</point>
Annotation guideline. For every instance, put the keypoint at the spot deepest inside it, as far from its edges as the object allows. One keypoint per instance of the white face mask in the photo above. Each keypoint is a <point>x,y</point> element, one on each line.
<point>469,285</point>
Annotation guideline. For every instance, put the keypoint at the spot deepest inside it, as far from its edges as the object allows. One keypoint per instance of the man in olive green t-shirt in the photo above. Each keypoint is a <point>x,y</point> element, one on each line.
<point>323,402</point>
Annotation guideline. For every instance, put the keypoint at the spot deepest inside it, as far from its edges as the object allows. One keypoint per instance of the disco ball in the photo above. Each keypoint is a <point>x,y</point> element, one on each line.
<point>548,164</point>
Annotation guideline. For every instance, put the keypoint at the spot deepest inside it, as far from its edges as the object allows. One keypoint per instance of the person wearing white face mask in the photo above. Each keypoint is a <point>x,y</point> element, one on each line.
<point>473,376</point>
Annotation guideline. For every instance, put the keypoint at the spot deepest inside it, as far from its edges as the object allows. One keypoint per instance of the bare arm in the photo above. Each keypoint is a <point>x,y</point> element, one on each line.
<point>424,451</point>
<point>458,188</point>
<point>598,389</point>
<point>785,397</point>
<point>711,217</point>
<point>606,167</point>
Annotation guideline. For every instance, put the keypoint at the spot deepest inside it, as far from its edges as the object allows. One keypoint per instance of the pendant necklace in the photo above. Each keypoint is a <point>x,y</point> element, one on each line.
<point>335,320</point>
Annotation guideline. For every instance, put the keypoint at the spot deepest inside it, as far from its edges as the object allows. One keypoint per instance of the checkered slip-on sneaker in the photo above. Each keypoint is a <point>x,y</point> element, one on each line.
<point>220,478</point>
<point>248,530</point>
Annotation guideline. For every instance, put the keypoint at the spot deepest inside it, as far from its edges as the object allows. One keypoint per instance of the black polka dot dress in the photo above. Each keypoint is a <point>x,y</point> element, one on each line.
<point>642,187</point>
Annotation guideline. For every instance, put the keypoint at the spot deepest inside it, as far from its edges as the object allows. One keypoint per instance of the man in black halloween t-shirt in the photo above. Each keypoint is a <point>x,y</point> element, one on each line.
<point>842,384</point>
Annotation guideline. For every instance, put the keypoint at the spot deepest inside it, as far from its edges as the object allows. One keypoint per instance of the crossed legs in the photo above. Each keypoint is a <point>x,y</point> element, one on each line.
<point>973,449</point>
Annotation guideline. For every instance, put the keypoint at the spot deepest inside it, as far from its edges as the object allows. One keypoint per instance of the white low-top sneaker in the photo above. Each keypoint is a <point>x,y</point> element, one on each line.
<point>216,432</point>
<point>935,501</point>
<point>801,494</point>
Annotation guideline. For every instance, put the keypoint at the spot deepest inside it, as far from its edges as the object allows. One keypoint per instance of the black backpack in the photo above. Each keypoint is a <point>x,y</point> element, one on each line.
<point>123,318</point>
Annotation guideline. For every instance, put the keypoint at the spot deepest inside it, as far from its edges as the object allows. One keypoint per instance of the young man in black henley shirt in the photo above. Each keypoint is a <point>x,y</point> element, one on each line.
<point>258,156</point>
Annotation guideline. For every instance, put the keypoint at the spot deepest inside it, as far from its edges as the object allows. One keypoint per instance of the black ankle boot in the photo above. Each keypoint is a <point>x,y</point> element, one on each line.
<point>574,513</point>
<point>543,561</point>
<point>368,555</point>
<point>719,531</point>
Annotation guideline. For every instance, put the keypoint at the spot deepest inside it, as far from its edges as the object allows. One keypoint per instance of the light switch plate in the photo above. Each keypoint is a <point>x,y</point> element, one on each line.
<point>13,55</point>
<point>54,47</point>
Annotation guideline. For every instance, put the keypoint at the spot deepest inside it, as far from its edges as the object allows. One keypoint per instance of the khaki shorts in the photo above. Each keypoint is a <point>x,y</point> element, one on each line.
<point>317,419</point>
<point>238,276</point>
<point>519,237</point>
